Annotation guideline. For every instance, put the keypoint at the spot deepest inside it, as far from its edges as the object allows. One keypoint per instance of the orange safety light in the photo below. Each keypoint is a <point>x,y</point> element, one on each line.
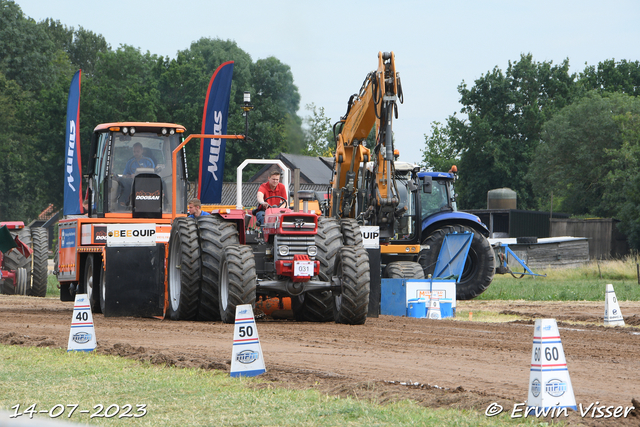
<point>454,169</point>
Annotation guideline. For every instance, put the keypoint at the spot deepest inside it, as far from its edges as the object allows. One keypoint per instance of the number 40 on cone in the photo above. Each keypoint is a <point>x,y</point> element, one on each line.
<point>82,336</point>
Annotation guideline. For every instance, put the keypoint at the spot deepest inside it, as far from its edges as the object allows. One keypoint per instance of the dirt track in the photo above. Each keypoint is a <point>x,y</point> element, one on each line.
<point>472,363</point>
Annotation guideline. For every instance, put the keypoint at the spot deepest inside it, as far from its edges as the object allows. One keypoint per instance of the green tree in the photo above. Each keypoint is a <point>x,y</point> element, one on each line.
<point>586,156</point>
<point>183,85</point>
<point>15,152</point>
<point>124,87</point>
<point>278,127</point>
<point>612,76</point>
<point>505,113</point>
<point>440,151</point>
<point>85,50</point>
<point>26,50</point>
<point>318,134</point>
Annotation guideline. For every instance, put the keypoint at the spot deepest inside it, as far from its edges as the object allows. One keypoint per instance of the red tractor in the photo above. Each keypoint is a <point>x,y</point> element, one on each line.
<point>295,254</point>
<point>24,269</point>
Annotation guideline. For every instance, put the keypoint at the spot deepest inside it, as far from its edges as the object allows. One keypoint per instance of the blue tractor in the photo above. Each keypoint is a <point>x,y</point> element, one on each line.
<point>440,217</point>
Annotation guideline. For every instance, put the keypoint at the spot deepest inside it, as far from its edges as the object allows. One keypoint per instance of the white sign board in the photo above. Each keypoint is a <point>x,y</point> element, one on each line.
<point>370,236</point>
<point>131,235</point>
<point>441,289</point>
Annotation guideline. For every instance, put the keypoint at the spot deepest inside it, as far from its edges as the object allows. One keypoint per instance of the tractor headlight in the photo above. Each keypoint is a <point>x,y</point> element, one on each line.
<point>132,131</point>
<point>283,250</point>
<point>312,251</point>
<point>125,130</point>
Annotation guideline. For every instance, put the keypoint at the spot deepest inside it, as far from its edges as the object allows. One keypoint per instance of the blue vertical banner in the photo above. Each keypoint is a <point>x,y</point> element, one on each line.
<point>73,170</point>
<point>214,122</point>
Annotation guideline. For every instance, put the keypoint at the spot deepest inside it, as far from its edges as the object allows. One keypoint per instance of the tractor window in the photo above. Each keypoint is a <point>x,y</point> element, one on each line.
<point>437,201</point>
<point>405,226</point>
<point>144,152</point>
<point>100,171</point>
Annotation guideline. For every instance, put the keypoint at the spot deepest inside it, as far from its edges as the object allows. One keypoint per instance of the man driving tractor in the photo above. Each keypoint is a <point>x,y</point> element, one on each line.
<point>272,189</point>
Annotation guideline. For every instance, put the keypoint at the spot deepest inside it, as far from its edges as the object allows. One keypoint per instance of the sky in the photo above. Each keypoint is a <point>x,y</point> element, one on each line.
<point>332,45</point>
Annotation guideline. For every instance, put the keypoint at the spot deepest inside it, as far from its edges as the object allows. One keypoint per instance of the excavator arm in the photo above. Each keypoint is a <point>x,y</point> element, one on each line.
<point>374,105</point>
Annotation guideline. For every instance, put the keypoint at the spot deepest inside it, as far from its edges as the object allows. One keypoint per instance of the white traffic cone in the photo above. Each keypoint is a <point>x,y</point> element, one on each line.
<point>82,336</point>
<point>549,382</point>
<point>612,313</point>
<point>246,359</point>
<point>433,312</point>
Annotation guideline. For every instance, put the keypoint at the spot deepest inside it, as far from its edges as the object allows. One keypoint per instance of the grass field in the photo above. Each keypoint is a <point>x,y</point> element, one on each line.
<point>585,283</point>
<point>56,380</point>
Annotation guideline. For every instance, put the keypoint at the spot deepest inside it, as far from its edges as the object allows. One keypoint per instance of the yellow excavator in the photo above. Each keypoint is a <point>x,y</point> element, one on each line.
<point>369,187</point>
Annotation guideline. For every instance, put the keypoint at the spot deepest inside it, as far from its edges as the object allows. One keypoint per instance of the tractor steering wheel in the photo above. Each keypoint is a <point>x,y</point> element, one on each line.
<point>277,197</point>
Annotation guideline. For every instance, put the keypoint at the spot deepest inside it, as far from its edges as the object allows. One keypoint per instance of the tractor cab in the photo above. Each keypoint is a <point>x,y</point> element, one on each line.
<point>440,195</point>
<point>406,216</point>
<point>131,171</point>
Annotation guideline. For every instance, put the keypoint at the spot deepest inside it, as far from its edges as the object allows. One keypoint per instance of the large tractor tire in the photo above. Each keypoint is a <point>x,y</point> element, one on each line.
<point>22,281</point>
<point>404,270</point>
<point>184,270</point>
<point>6,287</point>
<point>92,279</point>
<point>40,270</point>
<point>478,269</point>
<point>352,270</point>
<point>237,280</point>
<point>17,286</point>
<point>14,260</point>
<point>215,234</point>
<point>351,235</point>
<point>318,306</point>
<point>313,306</point>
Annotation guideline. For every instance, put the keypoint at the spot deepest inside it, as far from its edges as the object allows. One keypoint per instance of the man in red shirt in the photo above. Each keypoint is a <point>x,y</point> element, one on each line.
<point>273,187</point>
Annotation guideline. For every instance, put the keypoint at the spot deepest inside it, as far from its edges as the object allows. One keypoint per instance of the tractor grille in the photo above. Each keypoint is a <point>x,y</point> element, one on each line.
<point>293,222</point>
<point>298,245</point>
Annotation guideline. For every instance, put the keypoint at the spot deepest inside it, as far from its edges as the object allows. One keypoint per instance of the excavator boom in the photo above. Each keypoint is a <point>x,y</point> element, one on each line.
<point>377,195</point>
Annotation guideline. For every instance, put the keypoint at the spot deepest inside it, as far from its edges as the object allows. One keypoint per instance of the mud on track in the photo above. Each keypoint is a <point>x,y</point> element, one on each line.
<point>452,363</point>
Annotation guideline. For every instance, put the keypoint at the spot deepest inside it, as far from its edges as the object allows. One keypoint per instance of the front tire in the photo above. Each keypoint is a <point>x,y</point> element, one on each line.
<point>352,270</point>
<point>404,270</point>
<point>237,280</point>
<point>351,235</point>
<point>478,269</point>
<point>215,234</point>
<point>102,291</point>
<point>313,306</point>
<point>319,306</point>
<point>92,278</point>
<point>184,270</point>
<point>22,281</point>
<point>40,271</point>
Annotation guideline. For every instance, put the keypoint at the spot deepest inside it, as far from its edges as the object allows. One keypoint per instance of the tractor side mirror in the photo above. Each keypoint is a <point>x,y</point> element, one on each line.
<point>427,184</point>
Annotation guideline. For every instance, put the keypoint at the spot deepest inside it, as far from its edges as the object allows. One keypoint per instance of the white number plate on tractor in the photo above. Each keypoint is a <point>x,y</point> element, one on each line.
<point>303,268</point>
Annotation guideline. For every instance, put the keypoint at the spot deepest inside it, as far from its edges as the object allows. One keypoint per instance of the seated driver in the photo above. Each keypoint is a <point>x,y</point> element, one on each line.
<point>137,161</point>
<point>273,187</point>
